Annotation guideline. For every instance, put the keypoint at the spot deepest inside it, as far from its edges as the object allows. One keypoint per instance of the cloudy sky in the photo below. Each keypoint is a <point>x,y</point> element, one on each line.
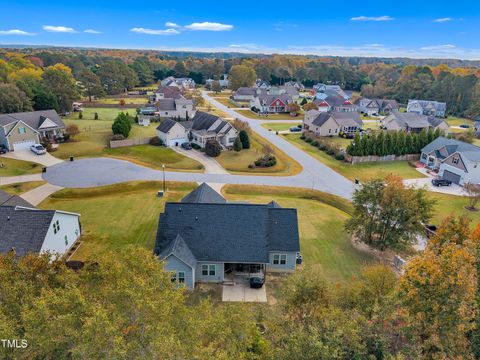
<point>349,28</point>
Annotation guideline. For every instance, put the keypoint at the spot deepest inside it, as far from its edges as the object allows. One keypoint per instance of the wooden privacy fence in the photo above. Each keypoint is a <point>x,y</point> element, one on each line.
<point>374,158</point>
<point>128,142</point>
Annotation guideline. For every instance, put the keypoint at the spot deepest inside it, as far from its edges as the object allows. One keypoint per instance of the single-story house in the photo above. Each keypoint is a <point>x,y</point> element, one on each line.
<point>28,230</point>
<point>455,160</point>
<point>18,131</point>
<point>245,94</point>
<point>177,108</point>
<point>272,104</point>
<point>413,122</point>
<point>262,84</point>
<point>222,82</point>
<point>290,90</point>
<point>199,130</point>
<point>427,107</point>
<point>181,83</point>
<point>297,85</point>
<point>168,92</point>
<point>334,103</point>
<point>376,106</point>
<point>332,123</point>
<point>204,238</point>
<point>332,90</point>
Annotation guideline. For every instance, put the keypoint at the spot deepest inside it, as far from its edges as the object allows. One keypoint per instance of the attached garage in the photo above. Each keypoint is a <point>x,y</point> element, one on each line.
<point>23,145</point>
<point>454,178</point>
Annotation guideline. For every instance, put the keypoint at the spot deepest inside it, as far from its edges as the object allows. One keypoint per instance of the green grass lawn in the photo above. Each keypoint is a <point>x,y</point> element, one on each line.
<point>452,205</point>
<point>224,93</point>
<point>362,171</point>
<point>250,114</point>
<point>12,167</point>
<point>280,126</point>
<point>135,101</point>
<point>20,188</point>
<point>457,121</point>
<point>226,101</point>
<point>237,162</point>
<point>103,113</point>
<point>117,215</point>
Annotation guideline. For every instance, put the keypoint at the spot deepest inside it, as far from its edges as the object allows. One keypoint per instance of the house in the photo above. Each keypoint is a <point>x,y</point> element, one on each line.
<point>145,114</point>
<point>167,92</point>
<point>207,127</point>
<point>177,108</point>
<point>413,122</point>
<point>454,160</point>
<point>28,230</point>
<point>262,84</point>
<point>376,106</point>
<point>173,133</point>
<point>332,123</point>
<point>272,104</point>
<point>204,238</point>
<point>335,103</point>
<point>18,131</point>
<point>202,128</point>
<point>332,90</point>
<point>297,85</point>
<point>290,90</point>
<point>427,107</point>
<point>245,94</point>
<point>13,200</point>
<point>181,83</point>
<point>223,82</point>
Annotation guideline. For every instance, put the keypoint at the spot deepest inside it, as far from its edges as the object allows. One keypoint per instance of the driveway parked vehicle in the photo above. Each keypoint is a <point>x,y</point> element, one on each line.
<point>441,182</point>
<point>3,150</point>
<point>295,129</point>
<point>256,282</point>
<point>187,146</point>
<point>38,149</point>
<point>465,126</point>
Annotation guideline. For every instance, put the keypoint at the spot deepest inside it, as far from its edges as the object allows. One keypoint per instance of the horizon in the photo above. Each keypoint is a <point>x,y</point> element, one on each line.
<point>316,29</point>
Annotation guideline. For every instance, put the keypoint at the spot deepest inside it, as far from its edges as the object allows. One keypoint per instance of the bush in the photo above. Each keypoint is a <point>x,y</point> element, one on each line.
<point>196,147</point>
<point>122,125</point>
<point>66,137</point>
<point>308,140</point>
<point>156,141</point>
<point>266,161</point>
<point>237,145</point>
<point>245,139</point>
<point>95,116</point>
<point>213,148</point>
<point>315,143</point>
<point>322,147</point>
<point>72,130</point>
<point>80,115</point>
<point>340,157</point>
<point>330,152</point>
<point>303,137</point>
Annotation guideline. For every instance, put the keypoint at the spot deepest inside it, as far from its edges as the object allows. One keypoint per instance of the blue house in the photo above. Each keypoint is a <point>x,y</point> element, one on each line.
<point>204,238</point>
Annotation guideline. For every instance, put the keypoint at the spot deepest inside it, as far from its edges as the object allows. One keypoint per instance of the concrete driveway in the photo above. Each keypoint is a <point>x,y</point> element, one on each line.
<point>426,183</point>
<point>211,165</point>
<point>242,291</point>
<point>27,155</point>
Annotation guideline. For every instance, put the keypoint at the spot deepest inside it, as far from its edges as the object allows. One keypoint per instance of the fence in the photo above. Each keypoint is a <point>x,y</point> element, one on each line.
<point>374,158</point>
<point>113,106</point>
<point>128,142</point>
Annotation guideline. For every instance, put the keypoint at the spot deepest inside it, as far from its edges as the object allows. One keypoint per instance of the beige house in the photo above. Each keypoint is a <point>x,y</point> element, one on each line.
<point>332,123</point>
<point>173,133</point>
<point>413,122</point>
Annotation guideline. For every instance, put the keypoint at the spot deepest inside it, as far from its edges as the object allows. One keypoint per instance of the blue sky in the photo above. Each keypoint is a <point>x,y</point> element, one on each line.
<point>373,28</point>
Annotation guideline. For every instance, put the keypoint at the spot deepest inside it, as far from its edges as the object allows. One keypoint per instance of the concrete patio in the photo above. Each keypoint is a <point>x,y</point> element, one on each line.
<point>241,291</point>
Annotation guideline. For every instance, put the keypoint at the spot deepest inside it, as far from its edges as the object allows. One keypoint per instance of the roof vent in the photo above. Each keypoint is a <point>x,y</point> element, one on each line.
<point>8,218</point>
<point>180,210</point>
<point>196,218</point>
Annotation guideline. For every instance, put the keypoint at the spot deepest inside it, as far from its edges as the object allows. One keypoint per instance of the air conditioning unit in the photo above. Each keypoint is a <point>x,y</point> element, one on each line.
<point>160,193</point>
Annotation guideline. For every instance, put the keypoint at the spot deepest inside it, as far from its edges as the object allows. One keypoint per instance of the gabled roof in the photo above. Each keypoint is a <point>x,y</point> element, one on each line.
<point>452,146</point>
<point>179,249</point>
<point>166,104</point>
<point>166,125</point>
<point>13,200</point>
<point>204,194</point>
<point>414,120</point>
<point>169,92</point>
<point>34,119</point>
<point>429,104</point>
<point>270,99</point>
<point>321,118</point>
<point>246,91</point>
<point>23,229</point>
<point>349,118</point>
<point>207,123</point>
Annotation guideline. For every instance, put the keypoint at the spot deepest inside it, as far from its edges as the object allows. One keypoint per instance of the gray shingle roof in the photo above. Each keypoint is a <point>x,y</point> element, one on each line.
<point>414,120</point>
<point>171,92</point>
<point>204,194</point>
<point>347,118</point>
<point>451,145</point>
<point>268,100</point>
<point>180,249</point>
<point>228,232</point>
<point>166,104</point>
<point>246,91</point>
<point>23,229</point>
<point>13,200</point>
<point>430,104</point>
<point>321,118</point>
<point>33,118</point>
<point>166,125</point>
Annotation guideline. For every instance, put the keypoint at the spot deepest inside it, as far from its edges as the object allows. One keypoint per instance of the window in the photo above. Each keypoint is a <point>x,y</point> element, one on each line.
<point>209,270</point>
<point>455,160</point>
<point>279,259</point>
<point>56,227</point>
<point>21,130</point>
<point>424,156</point>
<point>181,277</point>
<point>66,240</point>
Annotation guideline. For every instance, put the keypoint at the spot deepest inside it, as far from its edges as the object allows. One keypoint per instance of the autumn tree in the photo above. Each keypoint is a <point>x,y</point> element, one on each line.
<point>388,214</point>
<point>90,84</point>
<point>240,76</point>
<point>216,86</point>
<point>293,108</point>
<point>12,99</point>
<point>72,130</point>
<point>310,106</point>
<point>59,80</point>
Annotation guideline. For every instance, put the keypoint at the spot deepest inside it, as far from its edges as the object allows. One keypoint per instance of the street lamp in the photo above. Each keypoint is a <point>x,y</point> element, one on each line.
<point>163,169</point>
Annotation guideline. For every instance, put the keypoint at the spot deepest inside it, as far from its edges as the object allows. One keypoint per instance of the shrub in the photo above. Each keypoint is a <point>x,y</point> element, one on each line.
<point>303,137</point>
<point>237,145</point>
<point>314,143</point>
<point>80,115</point>
<point>308,140</point>
<point>330,152</point>
<point>72,130</point>
<point>245,139</point>
<point>122,125</point>
<point>122,102</point>
<point>156,141</point>
<point>196,147</point>
<point>340,157</point>
<point>66,137</point>
<point>266,161</point>
<point>95,116</point>
<point>322,147</point>
<point>213,148</point>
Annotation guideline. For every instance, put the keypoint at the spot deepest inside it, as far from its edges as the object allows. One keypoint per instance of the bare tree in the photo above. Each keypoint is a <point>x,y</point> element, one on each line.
<point>473,193</point>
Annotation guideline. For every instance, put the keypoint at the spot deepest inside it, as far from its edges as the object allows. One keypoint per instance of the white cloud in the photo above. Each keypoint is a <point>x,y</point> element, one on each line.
<point>59,29</point>
<point>372,18</point>
<point>438,47</point>
<point>171,24</point>
<point>155,32</point>
<point>92,31</point>
<point>209,26</point>
<point>441,20</point>
<point>15,32</point>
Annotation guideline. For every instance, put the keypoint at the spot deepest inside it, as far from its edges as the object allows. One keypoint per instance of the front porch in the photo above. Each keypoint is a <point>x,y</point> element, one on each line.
<point>233,271</point>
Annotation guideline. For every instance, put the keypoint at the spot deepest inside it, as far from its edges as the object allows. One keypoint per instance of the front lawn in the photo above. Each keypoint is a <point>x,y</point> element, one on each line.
<point>103,113</point>
<point>21,188</point>
<point>250,114</point>
<point>237,162</point>
<point>452,205</point>
<point>128,100</point>
<point>362,171</point>
<point>280,126</point>
<point>457,121</point>
<point>12,167</point>
<point>226,101</point>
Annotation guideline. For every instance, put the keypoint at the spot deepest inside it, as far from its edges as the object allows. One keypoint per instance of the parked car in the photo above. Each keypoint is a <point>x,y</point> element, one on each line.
<point>187,146</point>
<point>295,129</point>
<point>465,126</point>
<point>256,282</point>
<point>38,149</point>
<point>441,182</point>
<point>3,150</point>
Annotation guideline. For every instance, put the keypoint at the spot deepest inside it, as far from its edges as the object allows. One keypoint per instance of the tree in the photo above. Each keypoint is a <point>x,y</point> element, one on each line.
<point>143,69</point>
<point>90,84</point>
<point>116,77</point>
<point>310,106</point>
<point>473,193</point>
<point>240,76</point>
<point>12,99</point>
<point>237,145</point>
<point>388,214</point>
<point>213,148</point>
<point>179,69</point>
<point>121,125</point>
<point>245,139</point>
<point>216,86</point>
<point>44,99</point>
<point>293,108</point>
<point>72,130</point>
<point>61,83</point>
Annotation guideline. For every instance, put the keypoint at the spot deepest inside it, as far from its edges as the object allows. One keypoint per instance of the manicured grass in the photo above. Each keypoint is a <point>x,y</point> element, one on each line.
<point>362,171</point>
<point>224,93</point>
<point>282,126</point>
<point>250,114</point>
<point>324,243</point>
<point>136,101</point>
<point>12,167</point>
<point>20,188</point>
<point>457,121</point>
<point>226,101</point>
<point>117,215</point>
<point>452,205</point>
<point>237,162</point>
<point>103,113</point>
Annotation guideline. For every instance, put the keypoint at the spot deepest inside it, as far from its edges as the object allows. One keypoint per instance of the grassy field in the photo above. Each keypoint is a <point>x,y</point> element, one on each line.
<point>280,126</point>
<point>20,188</point>
<point>226,101</point>
<point>250,114</point>
<point>103,113</point>
<point>117,215</point>
<point>457,121</point>
<point>12,167</point>
<point>135,101</point>
<point>452,205</point>
<point>358,171</point>
<point>224,93</point>
<point>237,162</point>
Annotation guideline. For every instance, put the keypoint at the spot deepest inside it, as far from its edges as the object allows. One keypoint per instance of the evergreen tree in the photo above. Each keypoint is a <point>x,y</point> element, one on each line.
<point>380,145</point>
<point>430,135</point>
<point>423,138</point>
<point>245,139</point>
<point>401,143</point>
<point>395,149</point>
<point>409,146</point>
<point>237,145</point>
<point>389,144</point>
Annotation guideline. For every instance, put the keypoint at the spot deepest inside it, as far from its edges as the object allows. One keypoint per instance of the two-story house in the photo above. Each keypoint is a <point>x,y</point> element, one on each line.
<point>413,122</point>
<point>332,123</point>
<point>427,107</point>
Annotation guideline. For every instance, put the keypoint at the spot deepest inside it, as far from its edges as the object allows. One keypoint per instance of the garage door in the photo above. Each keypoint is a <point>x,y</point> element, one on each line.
<point>454,178</point>
<point>177,142</point>
<point>23,145</point>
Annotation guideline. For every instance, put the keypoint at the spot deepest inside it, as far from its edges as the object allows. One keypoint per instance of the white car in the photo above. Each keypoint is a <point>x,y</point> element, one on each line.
<point>38,149</point>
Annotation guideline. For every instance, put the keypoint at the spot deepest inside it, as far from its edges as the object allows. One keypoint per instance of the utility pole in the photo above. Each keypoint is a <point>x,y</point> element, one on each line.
<point>163,169</point>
